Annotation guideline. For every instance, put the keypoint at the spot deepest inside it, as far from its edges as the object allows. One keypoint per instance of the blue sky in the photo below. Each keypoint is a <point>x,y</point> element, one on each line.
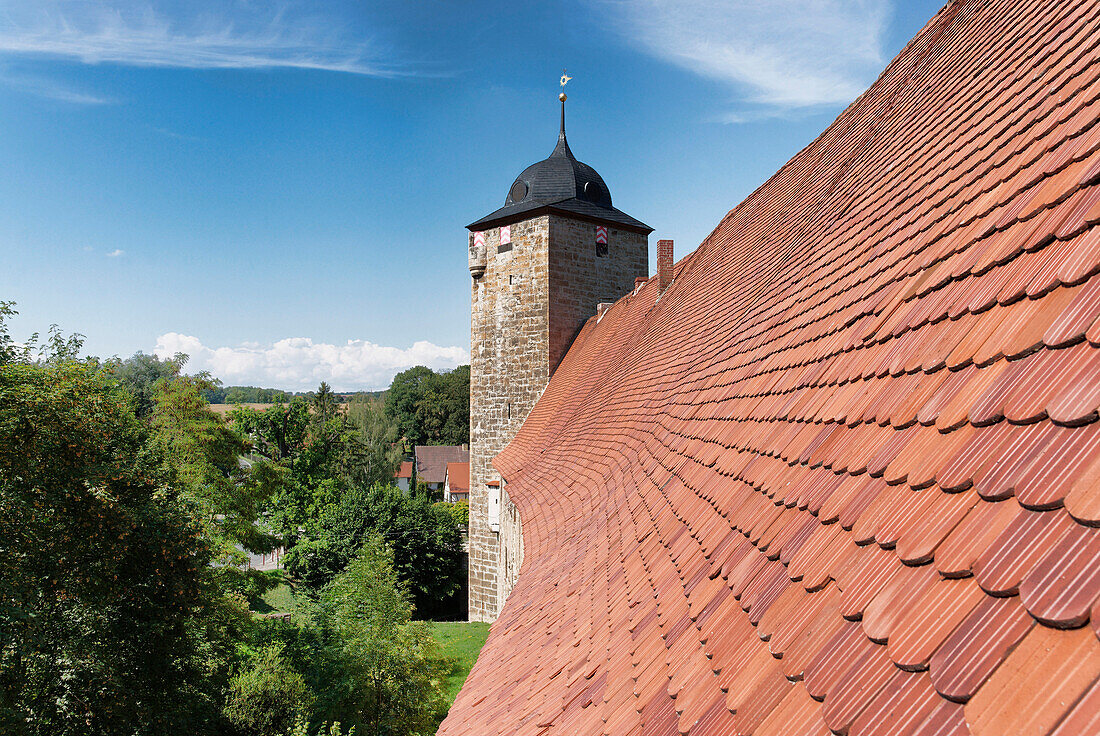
<point>280,189</point>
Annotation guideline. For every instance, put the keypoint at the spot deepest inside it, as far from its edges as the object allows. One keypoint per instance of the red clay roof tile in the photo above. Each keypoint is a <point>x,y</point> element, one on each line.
<point>1062,586</point>
<point>1083,497</point>
<point>1085,715</point>
<point>906,702</point>
<point>1024,542</point>
<point>931,620</point>
<point>839,444</point>
<point>978,646</point>
<point>1065,662</point>
<point>918,544</point>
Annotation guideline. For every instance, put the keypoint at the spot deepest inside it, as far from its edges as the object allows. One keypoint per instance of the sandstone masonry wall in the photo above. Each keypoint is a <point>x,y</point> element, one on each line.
<point>511,547</point>
<point>580,279</point>
<point>509,368</point>
<point>525,311</point>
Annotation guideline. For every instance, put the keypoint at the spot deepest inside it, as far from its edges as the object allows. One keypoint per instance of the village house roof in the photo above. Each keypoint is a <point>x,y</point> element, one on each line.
<point>458,477</point>
<point>844,474</point>
<point>431,461</point>
<point>405,471</point>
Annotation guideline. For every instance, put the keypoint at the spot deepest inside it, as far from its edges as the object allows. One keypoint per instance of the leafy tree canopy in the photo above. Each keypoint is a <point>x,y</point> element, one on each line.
<point>102,570</point>
<point>247,395</point>
<point>139,375</point>
<point>426,543</point>
<point>126,506</point>
<point>431,408</point>
<point>392,668</point>
<point>322,449</point>
<point>226,494</point>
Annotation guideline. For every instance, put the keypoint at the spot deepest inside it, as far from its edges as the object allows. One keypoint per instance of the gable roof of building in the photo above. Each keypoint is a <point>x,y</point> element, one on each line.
<point>431,461</point>
<point>405,471</point>
<point>458,477</point>
<point>844,474</point>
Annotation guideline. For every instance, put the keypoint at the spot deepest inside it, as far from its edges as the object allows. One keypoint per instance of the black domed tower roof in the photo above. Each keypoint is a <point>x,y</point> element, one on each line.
<point>560,183</point>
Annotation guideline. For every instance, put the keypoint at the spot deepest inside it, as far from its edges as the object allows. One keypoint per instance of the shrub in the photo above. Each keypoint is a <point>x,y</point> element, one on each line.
<point>393,669</point>
<point>269,697</point>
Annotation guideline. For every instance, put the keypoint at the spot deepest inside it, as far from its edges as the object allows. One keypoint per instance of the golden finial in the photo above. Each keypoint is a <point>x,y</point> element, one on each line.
<point>564,80</point>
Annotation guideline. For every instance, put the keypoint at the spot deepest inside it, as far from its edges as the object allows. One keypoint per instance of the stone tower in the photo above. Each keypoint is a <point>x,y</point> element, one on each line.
<point>540,264</point>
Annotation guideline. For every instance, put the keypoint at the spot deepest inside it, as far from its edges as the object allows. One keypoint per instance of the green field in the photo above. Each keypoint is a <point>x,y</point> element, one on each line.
<point>460,640</point>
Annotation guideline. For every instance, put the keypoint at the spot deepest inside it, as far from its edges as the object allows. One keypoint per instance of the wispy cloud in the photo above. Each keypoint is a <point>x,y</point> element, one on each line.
<point>178,136</point>
<point>145,33</point>
<point>778,55</point>
<point>50,89</point>
<point>298,363</point>
<point>116,253</point>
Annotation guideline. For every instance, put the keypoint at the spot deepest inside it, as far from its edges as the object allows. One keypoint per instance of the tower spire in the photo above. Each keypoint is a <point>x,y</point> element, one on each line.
<point>563,145</point>
<point>561,132</point>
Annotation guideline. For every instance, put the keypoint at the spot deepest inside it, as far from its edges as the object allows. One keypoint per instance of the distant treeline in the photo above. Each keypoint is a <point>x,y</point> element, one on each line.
<point>257,395</point>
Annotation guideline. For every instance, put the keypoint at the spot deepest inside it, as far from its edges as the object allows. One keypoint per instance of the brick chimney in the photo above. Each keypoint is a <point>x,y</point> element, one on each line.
<point>664,263</point>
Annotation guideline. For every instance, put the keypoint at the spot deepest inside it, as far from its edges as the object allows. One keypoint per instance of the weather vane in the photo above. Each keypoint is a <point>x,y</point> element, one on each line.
<point>564,81</point>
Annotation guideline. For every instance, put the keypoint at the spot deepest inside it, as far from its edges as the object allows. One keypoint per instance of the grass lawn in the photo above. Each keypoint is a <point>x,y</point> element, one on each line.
<point>461,640</point>
<point>279,599</point>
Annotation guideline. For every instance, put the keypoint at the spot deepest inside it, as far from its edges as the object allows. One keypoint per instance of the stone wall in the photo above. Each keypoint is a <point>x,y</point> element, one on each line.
<point>525,311</point>
<point>580,279</point>
<point>508,371</point>
<point>511,547</point>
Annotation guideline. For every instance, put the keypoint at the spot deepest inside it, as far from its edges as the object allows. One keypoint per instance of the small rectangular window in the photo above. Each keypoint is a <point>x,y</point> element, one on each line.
<point>494,508</point>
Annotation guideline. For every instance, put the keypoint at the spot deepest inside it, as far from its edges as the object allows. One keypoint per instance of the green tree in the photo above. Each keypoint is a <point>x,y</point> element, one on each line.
<point>459,511</point>
<point>322,456</point>
<point>277,432</point>
<point>426,543</point>
<point>402,399</point>
<point>392,670</point>
<point>372,454</point>
<point>324,402</point>
<point>139,375</point>
<point>103,574</point>
<point>57,348</point>
<point>246,395</point>
<point>431,408</point>
<point>202,456</point>
<point>10,350</point>
<point>268,697</point>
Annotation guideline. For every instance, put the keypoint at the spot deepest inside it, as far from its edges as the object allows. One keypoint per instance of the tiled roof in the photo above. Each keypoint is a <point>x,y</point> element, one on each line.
<point>405,471</point>
<point>844,475</point>
<point>431,461</point>
<point>458,477</point>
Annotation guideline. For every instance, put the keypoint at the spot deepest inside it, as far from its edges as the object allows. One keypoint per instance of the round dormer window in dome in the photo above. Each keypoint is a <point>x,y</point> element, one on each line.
<point>596,192</point>
<point>519,191</point>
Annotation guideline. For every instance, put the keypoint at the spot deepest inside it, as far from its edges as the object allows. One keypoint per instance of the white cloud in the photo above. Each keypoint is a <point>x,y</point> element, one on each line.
<point>50,89</point>
<point>116,253</point>
<point>144,33</point>
<point>781,54</point>
<point>299,364</point>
